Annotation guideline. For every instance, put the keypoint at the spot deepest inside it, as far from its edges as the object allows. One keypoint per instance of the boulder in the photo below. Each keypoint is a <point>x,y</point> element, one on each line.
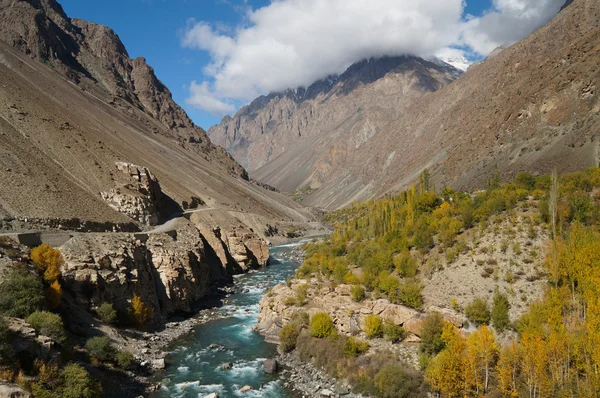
<point>12,391</point>
<point>212,395</point>
<point>246,389</point>
<point>326,393</point>
<point>226,366</point>
<point>270,366</point>
<point>158,364</point>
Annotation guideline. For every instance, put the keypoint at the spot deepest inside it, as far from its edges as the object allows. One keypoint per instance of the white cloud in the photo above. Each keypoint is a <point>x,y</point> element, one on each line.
<point>508,22</point>
<point>291,43</point>
<point>202,98</point>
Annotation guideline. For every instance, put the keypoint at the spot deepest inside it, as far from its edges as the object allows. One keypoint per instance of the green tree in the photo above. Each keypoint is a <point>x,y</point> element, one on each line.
<point>100,348</point>
<point>48,324</point>
<point>288,335</point>
<point>431,334</point>
<point>500,317</point>
<point>478,312</point>
<point>21,294</point>
<point>107,313</point>
<point>373,326</point>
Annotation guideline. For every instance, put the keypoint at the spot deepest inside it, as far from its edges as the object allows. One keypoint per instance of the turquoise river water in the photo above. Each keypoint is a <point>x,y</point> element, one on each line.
<point>194,368</point>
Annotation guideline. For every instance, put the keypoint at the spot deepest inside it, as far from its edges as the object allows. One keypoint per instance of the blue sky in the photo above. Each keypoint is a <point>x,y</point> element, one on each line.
<point>155,29</point>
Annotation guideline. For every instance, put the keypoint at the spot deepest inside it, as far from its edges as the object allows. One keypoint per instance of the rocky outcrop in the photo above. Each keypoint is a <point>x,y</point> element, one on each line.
<point>169,271</point>
<point>12,391</point>
<point>348,316</point>
<point>139,196</point>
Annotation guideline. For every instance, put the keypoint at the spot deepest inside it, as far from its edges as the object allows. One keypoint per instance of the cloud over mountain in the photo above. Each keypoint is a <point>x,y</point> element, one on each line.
<point>291,43</point>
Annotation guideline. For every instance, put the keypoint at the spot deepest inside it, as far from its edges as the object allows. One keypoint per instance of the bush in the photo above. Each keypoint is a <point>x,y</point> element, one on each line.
<point>5,336</point>
<point>288,335</point>
<point>409,294</point>
<point>373,326</point>
<point>321,325</point>
<point>47,261</point>
<point>357,293</point>
<point>431,334</point>
<point>48,324</point>
<point>395,381</point>
<point>393,332</point>
<point>124,359</point>
<point>141,313</point>
<point>100,348</point>
<point>77,383</point>
<point>21,294</point>
<point>478,312</point>
<point>355,347</point>
<point>500,317</point>
<point>406,265</point>
<point>107,313</point>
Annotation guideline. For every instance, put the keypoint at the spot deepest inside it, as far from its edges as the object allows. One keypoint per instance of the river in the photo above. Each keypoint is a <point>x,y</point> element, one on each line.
<point>194,362</point>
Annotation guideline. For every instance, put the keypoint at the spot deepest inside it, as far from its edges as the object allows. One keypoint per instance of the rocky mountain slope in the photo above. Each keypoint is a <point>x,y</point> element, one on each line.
<point>350,107</point>
<point>92,140</point>
<point>533,106</point>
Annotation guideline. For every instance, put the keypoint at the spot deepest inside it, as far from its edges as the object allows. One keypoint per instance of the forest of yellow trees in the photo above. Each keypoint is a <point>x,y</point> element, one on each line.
<point>553,350</point>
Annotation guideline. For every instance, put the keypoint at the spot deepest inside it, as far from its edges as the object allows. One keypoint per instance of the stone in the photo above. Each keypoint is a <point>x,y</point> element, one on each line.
<point>270,366</point>
<point>326,393</point>
<point>226,366</point>
<point>212,395</point>
<point>12,391</point>
<point>158,364</point>
<point>246,389</point>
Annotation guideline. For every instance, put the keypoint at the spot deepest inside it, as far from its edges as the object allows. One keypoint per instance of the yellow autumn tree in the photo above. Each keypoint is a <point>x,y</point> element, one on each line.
<point>534,364</point>
<point>48,261</point>
<point>141,312</point>
<point>446,374</point>
<point>481,354</point>
<point>508,370</point>
<point>54,295</point>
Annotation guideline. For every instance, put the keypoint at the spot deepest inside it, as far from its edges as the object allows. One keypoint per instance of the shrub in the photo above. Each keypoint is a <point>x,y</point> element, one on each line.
<point>395,381</point>
<point>517,248</point>
<point>409,294</point>
<point>5,336</point>
<point>77,383</point>
<point>301,292</point>
<point>100,348</point>
<point>48,324</point>
<point>48,261</point>
<point>141,313</point>
<point>373,326</point>
<point>431,334</point>
<point>357,293</point>
<point>393,332</point>
<point>124,359</point>
<point>355,347</point>
<point>21,294</point>
<point>288,335</point>
<point>478,312</point>
<point>321,325</point>
<point>499,316</point>
<point>107,313</point>
<point>406,265</point>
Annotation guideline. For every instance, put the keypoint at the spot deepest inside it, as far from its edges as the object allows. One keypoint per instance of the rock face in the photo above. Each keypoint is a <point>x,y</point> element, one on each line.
<point>169,271</point>
<point>534,106</point>
<point>140,197</point>
<point>362,96</point>
<point>12,391</point>
<point>72,104</point>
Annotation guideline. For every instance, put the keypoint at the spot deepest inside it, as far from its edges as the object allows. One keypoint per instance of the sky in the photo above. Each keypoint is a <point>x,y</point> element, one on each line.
<point>217,55</point>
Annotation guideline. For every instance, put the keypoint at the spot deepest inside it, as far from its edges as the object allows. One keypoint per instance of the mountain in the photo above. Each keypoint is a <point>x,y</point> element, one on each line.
<point>92,139</point>
<point>533,106</point>
<point>351,106</point>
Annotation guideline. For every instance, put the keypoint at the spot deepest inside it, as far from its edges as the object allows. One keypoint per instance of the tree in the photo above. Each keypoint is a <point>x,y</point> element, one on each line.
<point>431,334</point>
<point>142,314</point>
<point>48,261</point>
<point>500,317</point>
<point>446,373</point>
<point>100,348</point>
<point>21,294</point>
<point>481,353</point>
<point>508,370</point>
<point>77,383</point>
<point>54,295</point>
<point>478,312</point>
<point>288,335</point>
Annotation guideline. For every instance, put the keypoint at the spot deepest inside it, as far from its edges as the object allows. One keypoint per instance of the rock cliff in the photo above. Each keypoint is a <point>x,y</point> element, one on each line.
<point>170,271</point>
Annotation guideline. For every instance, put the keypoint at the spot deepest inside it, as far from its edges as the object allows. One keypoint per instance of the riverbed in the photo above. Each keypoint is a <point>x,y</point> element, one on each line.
<point>226,354</point>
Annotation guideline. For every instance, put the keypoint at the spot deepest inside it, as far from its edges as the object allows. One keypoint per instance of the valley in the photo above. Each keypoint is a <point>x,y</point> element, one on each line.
<point>373,216</point>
